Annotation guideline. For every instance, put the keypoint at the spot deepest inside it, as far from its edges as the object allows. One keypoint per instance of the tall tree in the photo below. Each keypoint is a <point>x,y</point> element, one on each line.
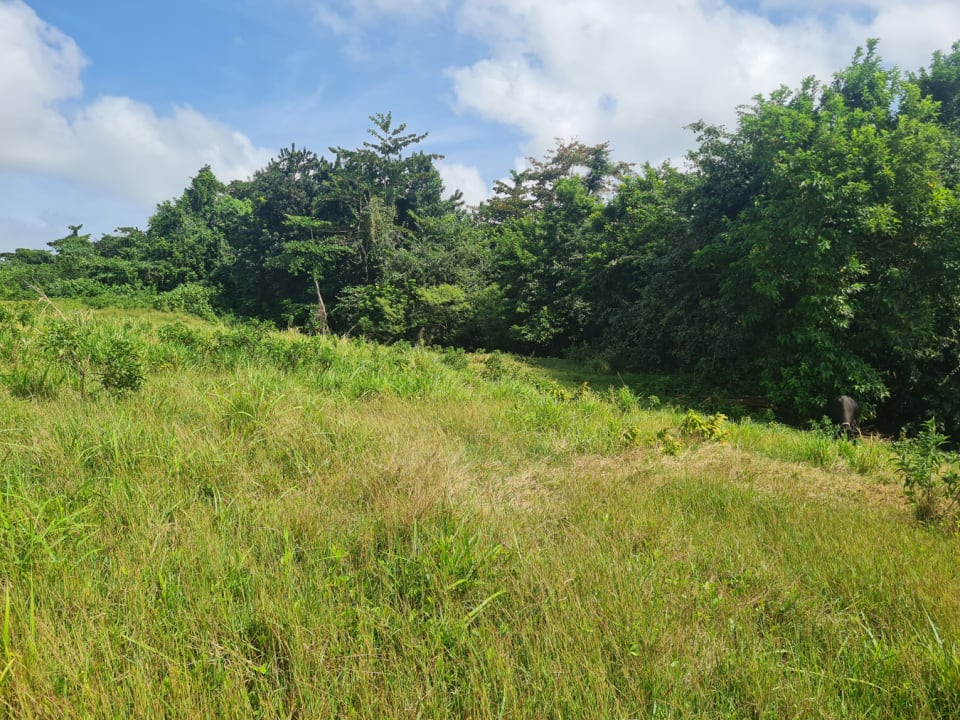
<point>259,282</point>
<point>542,230</point>
<point>827,258</point>
<point>186,238</point>
<point>310,252</point>
<point>941,82</point>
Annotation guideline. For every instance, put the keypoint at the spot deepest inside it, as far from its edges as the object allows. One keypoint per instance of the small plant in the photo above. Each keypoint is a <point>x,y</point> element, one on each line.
<point>623,398</point>
<point>712,427</point>
<point>669,441</point>
<point>493,367</point>
<point>633,436</point>
<point>121,365</point>
<point>66,341</point>
<point>454,357</point>
<point>76,345</point>
<point>920,461</point>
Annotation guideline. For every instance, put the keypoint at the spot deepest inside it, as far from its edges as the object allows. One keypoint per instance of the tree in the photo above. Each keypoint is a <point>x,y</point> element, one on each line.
<point>542,230</point>
<point>941,83</point>
<point>377,191</point>
<point>186,240</point>
<point>648,298</point>
<point>832,250</point>
<point>311,254</point>
<point>259,282</point>
<point>73,251</point>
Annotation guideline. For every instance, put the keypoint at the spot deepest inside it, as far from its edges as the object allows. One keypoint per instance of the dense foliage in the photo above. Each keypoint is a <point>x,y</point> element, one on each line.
<point>812,249</point>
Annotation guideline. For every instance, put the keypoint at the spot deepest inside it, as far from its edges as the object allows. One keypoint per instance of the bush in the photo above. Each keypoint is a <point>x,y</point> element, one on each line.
<point>712,427</point>
<point>121,365</point>
<point>78,288</point>
<point>920,461</point>
<point>192,298</point>
<point>90,351</point>
<point>379,312</point>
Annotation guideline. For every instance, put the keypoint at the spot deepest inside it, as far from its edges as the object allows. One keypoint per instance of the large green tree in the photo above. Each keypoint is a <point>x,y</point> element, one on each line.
<point>187,237</point>
<point>836,256</point>
<point>543,229</point>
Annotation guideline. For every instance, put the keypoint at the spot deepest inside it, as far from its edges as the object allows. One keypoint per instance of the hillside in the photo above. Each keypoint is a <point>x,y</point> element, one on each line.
<point>234,522</point>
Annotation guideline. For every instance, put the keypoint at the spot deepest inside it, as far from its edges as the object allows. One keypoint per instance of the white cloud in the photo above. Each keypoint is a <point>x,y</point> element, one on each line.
<point>466,179</point>
<point>114,142</point>
<point>39,67</point>
<point>119,141</point>
<point>635,73</point>
<point>909,33</point>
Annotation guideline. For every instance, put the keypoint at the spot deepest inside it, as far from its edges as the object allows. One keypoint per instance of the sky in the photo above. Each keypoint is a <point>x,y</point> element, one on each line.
<point>109,107</point>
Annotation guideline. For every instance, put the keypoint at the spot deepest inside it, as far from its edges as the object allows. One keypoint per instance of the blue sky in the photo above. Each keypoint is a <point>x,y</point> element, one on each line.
<point>110,106</point>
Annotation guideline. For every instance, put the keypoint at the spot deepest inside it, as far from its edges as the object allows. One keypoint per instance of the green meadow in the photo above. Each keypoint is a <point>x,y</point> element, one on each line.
<point>202,520</point>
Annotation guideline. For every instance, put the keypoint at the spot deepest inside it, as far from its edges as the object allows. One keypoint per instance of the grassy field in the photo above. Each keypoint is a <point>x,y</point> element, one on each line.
<point>234,523</point>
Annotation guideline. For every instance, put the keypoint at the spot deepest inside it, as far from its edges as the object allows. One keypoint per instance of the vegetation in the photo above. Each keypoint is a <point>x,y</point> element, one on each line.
<point>270,524</point>
<point>927,480</point>
<point>277,455</point>
<point>811,250</point>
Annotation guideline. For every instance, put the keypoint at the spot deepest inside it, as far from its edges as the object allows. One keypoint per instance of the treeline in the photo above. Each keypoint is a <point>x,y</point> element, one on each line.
<point>812,249</point>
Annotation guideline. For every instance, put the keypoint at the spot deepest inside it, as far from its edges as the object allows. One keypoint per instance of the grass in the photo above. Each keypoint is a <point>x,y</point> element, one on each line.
<point>279,526</point>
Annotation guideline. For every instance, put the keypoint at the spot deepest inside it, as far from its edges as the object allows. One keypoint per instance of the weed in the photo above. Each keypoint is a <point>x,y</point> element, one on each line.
<point>819,447</point>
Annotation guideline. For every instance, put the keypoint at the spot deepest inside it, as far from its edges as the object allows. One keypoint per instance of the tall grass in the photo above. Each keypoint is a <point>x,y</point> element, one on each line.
<point>282,526</point>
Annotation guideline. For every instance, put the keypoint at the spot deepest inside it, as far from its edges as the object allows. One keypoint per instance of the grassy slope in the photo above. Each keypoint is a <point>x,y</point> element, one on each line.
<point>282,527</point>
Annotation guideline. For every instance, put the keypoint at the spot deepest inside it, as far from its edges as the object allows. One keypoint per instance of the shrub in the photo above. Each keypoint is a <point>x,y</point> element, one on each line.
<point>711,427</point>
<point>920,461</point>
<point>669,442</point>
<point>454,357</point>
<point>121,365</point>
<point>78,346</point>
<point>77,288</point>
<point>623,398</point>
<point>192,298</point>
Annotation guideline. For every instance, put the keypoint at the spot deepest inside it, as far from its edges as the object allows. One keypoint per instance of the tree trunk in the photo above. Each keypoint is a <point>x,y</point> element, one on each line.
<point>321,314</point>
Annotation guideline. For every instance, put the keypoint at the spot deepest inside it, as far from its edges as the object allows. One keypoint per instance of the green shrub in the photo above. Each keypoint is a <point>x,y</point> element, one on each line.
<point>89,350</point>
<point>454,357</point>
<point>920,461</point>
<point>78,288</point>
<point>66,341</point>
<point>669,441</point>
<point>624,398</point>
<point>121,365</point>
<point>710,427</point>
<point>192,298</point>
